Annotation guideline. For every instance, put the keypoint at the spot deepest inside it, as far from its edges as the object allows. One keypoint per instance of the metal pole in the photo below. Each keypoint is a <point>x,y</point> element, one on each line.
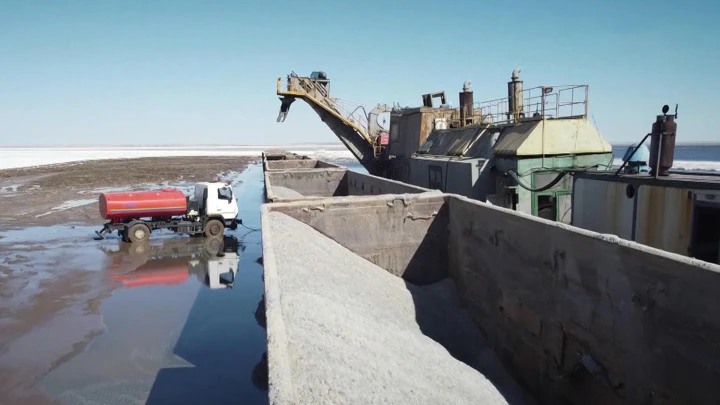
<point>659,153</point>
<point>633,153</point>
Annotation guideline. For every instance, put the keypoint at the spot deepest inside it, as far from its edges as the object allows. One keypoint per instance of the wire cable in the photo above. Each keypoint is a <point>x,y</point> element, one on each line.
<point>249,228</point>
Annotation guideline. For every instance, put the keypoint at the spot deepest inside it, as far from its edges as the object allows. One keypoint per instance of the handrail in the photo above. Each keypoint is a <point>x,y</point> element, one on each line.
<point>553,101</point>
<point>632,154</point>
<point>305,95</point>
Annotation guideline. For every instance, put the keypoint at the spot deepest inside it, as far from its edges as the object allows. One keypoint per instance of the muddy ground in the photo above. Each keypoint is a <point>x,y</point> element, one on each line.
<point>55,281</point>
<point>68,192</point>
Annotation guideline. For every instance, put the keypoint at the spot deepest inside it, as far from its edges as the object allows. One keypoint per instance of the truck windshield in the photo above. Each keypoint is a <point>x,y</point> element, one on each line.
<point>225,193</point>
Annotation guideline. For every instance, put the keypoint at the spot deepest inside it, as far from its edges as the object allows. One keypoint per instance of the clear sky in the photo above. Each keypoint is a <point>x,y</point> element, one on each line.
<point>185,72</point>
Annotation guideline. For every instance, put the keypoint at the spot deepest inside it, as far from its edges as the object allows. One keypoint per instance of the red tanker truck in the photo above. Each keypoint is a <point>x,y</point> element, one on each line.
<point>135,214</point>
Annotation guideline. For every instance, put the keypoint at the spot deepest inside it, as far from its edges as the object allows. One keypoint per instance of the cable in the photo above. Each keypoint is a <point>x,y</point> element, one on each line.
<point>251,229</point>
<point>550,185</point>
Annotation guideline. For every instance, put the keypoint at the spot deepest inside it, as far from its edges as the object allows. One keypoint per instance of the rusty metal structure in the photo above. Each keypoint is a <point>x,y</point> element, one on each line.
<point>669,210</point>
<point>513,151</point>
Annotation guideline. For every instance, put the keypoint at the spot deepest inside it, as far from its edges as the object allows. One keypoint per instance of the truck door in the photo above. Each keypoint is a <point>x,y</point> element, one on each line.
<point>225,201</point>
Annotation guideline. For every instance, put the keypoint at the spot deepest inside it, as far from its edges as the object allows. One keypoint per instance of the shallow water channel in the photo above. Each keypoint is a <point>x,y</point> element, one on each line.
<point>176,321</point>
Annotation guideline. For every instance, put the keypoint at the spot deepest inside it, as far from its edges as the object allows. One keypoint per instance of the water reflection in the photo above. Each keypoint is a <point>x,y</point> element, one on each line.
<point>214,262</point>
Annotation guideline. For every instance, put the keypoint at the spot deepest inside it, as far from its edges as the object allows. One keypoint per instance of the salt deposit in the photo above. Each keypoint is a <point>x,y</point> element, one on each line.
<point>347,331</point>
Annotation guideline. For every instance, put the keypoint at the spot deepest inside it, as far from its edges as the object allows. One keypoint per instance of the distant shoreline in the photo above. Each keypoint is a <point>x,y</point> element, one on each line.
<point>677,144</point>
<point>304,145</point>
<point>198,146</point>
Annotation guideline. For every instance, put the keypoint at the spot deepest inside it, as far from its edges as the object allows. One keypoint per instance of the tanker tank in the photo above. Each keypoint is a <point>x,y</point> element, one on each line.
<point>165,202</point>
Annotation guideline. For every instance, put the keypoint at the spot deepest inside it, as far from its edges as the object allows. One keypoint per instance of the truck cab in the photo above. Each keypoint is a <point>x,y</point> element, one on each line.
<point>214,199</point>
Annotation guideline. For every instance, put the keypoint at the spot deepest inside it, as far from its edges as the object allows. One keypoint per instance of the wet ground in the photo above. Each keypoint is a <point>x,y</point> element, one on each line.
<point>102,322</point>
<point>52,194</point>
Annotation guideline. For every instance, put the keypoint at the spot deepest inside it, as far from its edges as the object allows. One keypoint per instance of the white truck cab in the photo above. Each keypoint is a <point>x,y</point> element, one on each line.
<point>215,199</point>
<point>217,272</point>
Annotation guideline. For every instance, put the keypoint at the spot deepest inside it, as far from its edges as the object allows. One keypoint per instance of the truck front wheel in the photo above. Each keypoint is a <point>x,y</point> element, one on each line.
<point>138,233</point>
<point>214,228</point>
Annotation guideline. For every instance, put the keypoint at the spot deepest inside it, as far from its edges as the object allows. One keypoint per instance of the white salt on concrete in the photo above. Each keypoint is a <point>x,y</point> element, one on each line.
<point>342,330</point>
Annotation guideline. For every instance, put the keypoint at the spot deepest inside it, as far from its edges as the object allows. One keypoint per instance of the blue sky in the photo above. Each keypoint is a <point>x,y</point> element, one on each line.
<point>190,72</point>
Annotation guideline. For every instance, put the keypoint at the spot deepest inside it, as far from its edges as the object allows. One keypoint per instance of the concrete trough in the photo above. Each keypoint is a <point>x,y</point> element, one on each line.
<point>310,184</point>
<point>436,298</point>
<point>298,164</point>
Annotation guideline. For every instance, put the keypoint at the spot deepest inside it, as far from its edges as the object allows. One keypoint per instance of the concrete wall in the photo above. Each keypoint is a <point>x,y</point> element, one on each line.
<point>547,294</point>
<point>365,184</point>
<point>404,234</point>
<point>298,164</point>
<point>309,183</point>
<point>544,292</point>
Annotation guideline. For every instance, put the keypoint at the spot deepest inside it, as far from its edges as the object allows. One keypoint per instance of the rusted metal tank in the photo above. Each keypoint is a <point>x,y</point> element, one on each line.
<point>466,104</point>
<point>168,202</point>
<point>662,141</point>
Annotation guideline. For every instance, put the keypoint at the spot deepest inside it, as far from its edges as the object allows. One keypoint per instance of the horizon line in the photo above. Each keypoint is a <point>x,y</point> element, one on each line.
<point>267,145</point>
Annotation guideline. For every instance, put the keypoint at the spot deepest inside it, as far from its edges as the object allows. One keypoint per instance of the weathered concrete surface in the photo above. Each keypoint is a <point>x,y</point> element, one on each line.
<point>544,292</point>
<point>312,184</point>
<point>298,164</point>
<point>405,234</point>
<point>282,193</point>
<point>343,330</point>
<point>308,182</point>
<point>365,184</point>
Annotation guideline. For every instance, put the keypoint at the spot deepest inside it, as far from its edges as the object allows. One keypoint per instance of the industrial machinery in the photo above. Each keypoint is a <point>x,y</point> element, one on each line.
<point>357,129</point>
<point>515,152</point>
<point>214,263</point>
<point>135,214</point>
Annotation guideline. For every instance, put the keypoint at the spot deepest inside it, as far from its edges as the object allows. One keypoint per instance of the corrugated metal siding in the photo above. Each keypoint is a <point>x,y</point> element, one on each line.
<point>602,206</point>
<point>664,217</point>
<point>448,142</point>
<point>512,138</point>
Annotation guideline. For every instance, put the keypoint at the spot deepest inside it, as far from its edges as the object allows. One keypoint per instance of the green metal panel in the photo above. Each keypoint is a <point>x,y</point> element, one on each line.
<point>526,166</point>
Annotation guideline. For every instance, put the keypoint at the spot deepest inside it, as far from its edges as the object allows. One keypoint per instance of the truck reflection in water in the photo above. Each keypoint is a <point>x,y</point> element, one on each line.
<point>214,339</point>
<point>213,261</point>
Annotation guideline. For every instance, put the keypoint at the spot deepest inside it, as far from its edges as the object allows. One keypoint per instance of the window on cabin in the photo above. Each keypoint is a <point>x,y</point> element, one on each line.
<point>435,181</point>
<point>546,207</point>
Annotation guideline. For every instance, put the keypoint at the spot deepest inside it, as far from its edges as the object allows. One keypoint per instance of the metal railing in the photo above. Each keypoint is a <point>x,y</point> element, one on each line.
<point>544,101</point>
<point>319,91</point>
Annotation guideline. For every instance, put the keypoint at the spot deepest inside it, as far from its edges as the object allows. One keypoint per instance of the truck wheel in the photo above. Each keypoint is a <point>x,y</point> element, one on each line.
<point>214,228</point>
<point>138,233</point>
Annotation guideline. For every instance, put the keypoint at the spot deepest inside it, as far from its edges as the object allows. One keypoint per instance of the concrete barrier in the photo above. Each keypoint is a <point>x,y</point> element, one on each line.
<point>578,317</point>
<point>298,184</point>
<point>299,164</point>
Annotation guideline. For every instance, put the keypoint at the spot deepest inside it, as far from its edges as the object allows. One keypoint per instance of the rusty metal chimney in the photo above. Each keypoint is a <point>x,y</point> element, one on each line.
<point>466,105</point>
<point>515,96</point>
<point>662,143</point>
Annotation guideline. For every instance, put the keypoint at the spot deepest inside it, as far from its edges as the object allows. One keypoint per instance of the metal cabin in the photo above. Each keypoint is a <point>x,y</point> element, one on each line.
<point>679,213</point>
<point>514,152</point>
<point>670,210</point>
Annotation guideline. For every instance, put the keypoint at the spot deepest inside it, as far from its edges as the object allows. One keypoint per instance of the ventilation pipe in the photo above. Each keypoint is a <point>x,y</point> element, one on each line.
<point>466,105</point>
<point>515,97</point>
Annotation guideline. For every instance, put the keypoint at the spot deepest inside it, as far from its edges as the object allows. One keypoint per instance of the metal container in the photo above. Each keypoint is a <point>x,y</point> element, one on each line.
<point>166,202</point>
<point>662,142</point>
